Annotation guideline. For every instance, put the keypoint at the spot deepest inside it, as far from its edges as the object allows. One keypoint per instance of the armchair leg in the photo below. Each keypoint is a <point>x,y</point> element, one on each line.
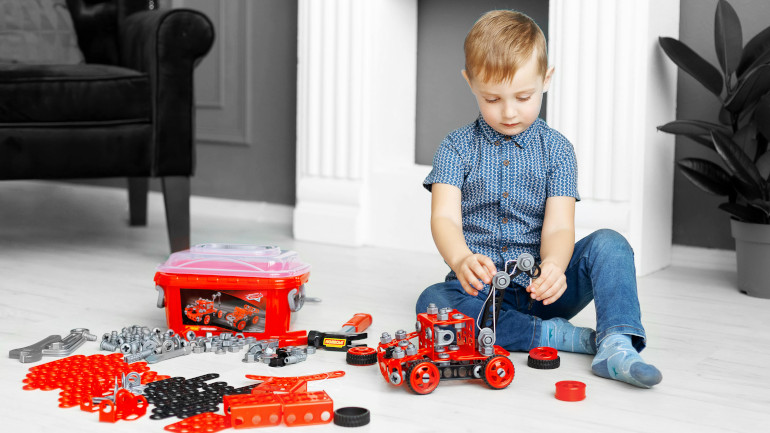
<point>137,200</point>
<point>176,196</point>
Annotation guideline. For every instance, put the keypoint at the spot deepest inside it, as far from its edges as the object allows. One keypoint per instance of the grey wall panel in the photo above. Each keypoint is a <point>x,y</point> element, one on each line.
<point>444,102</point>
<point>245,101</point>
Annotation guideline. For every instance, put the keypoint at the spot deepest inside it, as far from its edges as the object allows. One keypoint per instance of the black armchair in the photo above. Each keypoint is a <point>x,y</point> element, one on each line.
<point>128,111</point>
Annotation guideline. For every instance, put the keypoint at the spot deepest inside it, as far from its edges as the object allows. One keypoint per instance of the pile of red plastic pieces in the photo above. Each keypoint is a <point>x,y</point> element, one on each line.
<point>84,379</point>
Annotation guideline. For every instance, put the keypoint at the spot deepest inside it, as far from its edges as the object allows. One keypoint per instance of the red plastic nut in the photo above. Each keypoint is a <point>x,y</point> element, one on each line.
<point>570,390</point>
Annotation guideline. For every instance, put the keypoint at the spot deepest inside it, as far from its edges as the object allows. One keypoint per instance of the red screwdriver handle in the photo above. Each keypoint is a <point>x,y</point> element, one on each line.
<point>358,323</point>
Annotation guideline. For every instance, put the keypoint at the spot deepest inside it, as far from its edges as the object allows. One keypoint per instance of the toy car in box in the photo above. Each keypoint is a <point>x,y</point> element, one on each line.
<point>252,289</point>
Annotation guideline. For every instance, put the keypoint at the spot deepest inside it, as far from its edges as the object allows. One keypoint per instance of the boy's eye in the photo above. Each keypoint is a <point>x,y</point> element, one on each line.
<point>523,98</point>
<point>491,100</point>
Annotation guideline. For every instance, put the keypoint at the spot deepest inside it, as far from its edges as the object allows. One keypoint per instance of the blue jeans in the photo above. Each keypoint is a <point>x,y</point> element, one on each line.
<point>601,269</point>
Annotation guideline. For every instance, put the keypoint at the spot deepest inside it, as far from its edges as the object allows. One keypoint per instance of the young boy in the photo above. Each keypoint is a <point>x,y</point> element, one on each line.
<point>506,184</point>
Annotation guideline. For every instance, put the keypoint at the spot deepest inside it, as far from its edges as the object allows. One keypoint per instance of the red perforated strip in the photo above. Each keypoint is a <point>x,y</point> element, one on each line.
<point>206,422</point>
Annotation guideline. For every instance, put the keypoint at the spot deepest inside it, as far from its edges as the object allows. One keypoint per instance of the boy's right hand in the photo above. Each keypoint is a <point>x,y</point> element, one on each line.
<point>472,268</point>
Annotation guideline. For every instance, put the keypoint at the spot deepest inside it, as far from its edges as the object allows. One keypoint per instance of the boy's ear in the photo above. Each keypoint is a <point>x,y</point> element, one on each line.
<point>467,80</point>
<point>547,79</point>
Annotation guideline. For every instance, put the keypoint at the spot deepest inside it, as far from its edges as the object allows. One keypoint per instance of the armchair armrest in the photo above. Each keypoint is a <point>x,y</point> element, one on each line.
<point>167,44</point>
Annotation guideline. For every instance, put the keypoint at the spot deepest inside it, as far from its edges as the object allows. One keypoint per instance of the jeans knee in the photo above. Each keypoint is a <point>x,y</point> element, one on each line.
<point>438,294</point>
<point>428,296</point>
<point>610,240</point>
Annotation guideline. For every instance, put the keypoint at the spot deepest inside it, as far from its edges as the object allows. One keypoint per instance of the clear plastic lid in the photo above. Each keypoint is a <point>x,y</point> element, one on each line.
<point>237,260</point>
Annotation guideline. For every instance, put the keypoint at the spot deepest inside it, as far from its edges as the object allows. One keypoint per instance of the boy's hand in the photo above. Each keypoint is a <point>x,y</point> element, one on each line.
<point>550,285</point>
<point>473,268</point>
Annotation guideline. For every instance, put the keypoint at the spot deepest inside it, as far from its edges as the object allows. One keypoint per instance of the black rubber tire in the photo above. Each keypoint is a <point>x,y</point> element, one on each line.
<point>543,358</point>
<point>351,416</point>
<point>361,355</point>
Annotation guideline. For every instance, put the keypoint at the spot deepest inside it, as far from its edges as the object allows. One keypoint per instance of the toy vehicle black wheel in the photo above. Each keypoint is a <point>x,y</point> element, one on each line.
<point>423,377</point>
<point>498,372</point>
<point>240,325</point>
<point>543,358</point>
<point>351,416</point>
<point>220,314</point>
<point>361,355</point>
<point>206,319</point>
<point>255,320</point>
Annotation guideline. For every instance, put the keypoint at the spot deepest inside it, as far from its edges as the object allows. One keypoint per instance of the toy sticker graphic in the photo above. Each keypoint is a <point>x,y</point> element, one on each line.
<point>223,309</point>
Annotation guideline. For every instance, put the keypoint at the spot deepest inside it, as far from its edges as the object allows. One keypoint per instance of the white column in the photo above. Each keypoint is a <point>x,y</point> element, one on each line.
<point>355,111</point>
<point>612,87</point>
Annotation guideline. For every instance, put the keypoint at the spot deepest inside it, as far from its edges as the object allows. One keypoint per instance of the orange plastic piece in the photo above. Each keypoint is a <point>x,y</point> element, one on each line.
<point>295,405</point>
<point>307,408</point>
<point>127,406</point>
<point>289,384</point>
<point>248,411</point>
<point>206,422</point>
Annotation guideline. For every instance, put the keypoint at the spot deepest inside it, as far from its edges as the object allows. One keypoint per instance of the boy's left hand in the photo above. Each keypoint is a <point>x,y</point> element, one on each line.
<point>550,285</point>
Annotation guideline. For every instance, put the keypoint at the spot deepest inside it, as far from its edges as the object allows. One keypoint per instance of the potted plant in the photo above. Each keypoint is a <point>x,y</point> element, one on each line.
<point>740,139</point>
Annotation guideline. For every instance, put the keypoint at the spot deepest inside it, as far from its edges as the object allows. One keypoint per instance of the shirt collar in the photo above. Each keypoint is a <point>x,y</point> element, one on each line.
<point>522,139</point>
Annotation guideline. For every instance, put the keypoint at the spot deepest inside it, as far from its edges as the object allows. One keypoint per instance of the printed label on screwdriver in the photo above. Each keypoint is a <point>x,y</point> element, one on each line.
<point>334,342</point>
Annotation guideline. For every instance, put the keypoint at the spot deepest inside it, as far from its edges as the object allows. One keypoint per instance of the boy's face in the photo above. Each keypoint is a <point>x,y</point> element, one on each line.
<point>510,107</point>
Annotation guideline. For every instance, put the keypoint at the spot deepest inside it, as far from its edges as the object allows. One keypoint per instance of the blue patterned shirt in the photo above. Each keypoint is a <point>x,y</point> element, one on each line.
<point>505,181</point>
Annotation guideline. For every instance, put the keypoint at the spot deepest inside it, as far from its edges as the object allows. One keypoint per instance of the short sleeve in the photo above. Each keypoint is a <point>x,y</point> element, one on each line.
<point>562,175</point>
<point>447,166</point>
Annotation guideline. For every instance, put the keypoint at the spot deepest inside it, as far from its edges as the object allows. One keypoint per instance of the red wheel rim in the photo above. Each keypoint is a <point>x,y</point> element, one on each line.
<point>362,350</point>
<point>499,372</point>
<point>206,320</point>
<point>544,353</point>
<point>424,377</point>
<point>241,325</point>
<point>254,320</point>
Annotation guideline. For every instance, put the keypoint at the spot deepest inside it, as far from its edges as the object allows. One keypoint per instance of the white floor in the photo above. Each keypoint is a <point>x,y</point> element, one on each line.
<point>68,260</point>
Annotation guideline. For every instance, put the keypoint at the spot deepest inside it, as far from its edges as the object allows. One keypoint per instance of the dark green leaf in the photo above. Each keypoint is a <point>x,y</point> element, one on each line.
<point>761,146</point>
<point>693,64</point>
<point>745,190</point>
<point>725,117</point>
<point>736,160</point>
<point>756,51</point>
<point>744,213</point>
<point>762,117</point>
<point>706,175</point>
<point>750,88</point>
<point>728,37</point>
<point>702,140</point>
<point>746,139</point>
<point>762,205</point>
<point>692,127</point>
<point>763,165</point>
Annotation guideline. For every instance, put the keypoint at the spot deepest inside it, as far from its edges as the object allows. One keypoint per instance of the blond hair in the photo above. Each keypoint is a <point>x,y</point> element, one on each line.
<point>501,42</point>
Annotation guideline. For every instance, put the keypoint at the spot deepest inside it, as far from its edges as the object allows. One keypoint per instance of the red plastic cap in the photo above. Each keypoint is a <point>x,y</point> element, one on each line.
<point>570,390</point>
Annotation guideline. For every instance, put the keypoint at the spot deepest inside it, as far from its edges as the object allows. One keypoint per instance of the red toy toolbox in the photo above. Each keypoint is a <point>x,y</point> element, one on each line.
<point>251,289</point>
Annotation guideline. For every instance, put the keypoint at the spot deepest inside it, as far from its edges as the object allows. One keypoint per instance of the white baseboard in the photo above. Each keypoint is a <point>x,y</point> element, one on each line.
<point>702,258</point>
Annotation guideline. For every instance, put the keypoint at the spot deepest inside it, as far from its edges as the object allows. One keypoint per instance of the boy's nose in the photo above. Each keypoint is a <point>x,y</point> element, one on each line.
<point>509,110</point>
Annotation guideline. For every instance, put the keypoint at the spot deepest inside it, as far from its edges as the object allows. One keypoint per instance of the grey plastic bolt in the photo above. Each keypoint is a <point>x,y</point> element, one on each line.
<point>138,356</point>
<point>106,345</point>
<point>432,309</point>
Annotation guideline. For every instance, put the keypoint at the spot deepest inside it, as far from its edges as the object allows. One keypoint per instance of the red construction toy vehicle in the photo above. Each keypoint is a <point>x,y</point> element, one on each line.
<point>205,310</point>
<point>241,317</point>
<point>447,344</point>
